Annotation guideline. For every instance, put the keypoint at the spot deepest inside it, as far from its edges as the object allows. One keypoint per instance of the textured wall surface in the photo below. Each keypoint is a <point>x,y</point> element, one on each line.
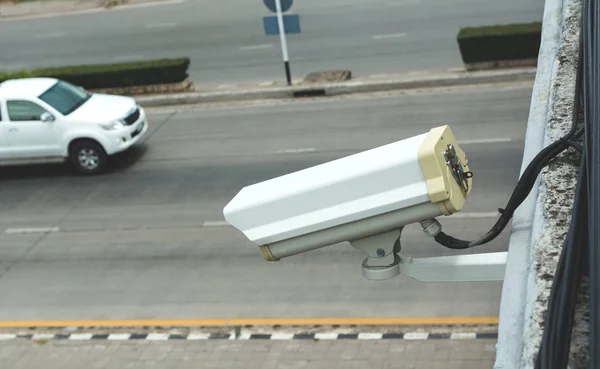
<point>541,223</point>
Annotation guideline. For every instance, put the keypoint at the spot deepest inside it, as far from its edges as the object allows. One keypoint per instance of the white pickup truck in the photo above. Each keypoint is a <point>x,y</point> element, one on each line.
<point>46,120</point>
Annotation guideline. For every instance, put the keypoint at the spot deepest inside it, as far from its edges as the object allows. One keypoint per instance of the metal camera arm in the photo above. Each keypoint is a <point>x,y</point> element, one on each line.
<point>384,262</point>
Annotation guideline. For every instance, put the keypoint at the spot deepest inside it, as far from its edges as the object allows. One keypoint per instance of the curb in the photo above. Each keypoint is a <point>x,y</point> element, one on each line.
<point>337,89</point>
<point>244,337</point>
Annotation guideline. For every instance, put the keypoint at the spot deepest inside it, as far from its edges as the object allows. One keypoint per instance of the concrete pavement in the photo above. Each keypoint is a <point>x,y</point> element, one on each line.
<point>255,354</point>
<point>146,241</point>
<point>227,43</point>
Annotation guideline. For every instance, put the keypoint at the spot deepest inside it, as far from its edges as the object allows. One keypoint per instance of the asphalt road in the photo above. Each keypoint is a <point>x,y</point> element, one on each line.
<point>227,44</point>
<point>144,241</point>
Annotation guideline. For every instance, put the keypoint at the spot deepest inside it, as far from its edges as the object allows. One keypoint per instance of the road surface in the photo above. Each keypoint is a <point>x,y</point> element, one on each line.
<point>227,44</point>
<point>146,241</point>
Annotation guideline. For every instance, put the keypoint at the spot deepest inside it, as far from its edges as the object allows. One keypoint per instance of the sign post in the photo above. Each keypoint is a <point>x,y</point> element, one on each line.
<point>284,50</point>
<point>282,24</point>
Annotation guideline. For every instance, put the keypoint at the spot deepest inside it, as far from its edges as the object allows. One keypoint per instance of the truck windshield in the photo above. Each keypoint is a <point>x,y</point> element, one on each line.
<point>64,97</point>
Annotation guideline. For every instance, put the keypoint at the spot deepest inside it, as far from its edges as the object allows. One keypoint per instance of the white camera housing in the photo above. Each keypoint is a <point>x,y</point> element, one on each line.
<point>374,193</point>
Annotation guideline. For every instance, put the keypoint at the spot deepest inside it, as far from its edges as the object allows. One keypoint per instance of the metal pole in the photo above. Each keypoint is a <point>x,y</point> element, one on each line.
<point>286,59</point>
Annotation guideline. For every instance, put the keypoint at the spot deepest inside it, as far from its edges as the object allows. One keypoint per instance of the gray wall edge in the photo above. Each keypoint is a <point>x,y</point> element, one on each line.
<point>519,282</point>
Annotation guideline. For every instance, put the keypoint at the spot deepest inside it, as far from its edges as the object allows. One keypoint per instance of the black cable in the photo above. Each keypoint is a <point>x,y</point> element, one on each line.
<point>529,176</point>
<point>556,340</point>
<point>520,193</point>
<point>591,37</point>
<point>584,228</point>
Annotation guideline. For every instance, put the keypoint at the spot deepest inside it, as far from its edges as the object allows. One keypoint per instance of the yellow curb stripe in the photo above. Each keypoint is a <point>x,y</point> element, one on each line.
<point>252,321</point>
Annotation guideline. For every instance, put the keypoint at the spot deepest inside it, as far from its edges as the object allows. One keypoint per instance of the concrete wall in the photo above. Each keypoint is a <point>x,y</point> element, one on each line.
<point>541,223</point>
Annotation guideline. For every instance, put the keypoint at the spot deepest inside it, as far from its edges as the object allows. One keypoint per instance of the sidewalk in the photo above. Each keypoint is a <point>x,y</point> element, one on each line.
<point>367,84</point>
<point>254,354</point>
<point>11,10</point>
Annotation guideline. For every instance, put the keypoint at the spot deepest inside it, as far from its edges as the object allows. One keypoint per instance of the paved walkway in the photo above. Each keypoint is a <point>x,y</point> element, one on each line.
<point>35,8</point>
<point>253,354</point>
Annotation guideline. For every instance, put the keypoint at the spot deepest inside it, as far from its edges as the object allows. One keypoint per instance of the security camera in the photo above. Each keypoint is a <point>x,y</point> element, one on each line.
<point>365,199</point>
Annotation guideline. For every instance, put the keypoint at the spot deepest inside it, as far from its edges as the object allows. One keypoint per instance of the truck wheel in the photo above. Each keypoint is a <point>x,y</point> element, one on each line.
<point>88,157</point>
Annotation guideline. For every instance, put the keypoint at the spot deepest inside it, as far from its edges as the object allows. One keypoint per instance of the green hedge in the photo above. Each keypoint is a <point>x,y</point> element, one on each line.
<point>99,76</point>
<point>500,42</point>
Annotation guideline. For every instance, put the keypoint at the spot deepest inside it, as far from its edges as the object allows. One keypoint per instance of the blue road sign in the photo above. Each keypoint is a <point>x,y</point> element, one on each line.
<point>285,5</point>
<point>291,24</point>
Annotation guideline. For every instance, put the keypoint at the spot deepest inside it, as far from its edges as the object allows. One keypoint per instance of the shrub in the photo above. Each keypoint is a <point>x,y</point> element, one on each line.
<point>15,75</point>
<point>98,76</point>
<point>500,42</point>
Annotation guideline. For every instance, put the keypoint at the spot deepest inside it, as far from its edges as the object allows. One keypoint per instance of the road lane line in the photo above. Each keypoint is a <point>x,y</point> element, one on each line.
<point>294,151</point>
<point>403,3</point>
<point>51,35</point>
<point>459,215</point>
<point>31,230</point>
<point>256,47</point>
<point>475,215</point>
<point>485,140</point>
<point>214,224</point>
<point>304,150</point>
<point>485,320</point>
<point>389,36</point>
<point>161,25</point>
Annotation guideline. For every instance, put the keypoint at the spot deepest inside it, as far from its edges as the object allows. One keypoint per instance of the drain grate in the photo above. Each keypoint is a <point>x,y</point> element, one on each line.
<point>310,93</point>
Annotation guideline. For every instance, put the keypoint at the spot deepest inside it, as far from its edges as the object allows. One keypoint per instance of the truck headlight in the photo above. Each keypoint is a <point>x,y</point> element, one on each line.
<point>114,125</point>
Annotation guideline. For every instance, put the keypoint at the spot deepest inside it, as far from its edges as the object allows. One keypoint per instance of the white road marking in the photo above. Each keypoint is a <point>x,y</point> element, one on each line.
<point>326,336</point>
<point>282,336</point>
<point>490,214</point>
<point>463,142</point>
<point>403,2</point>
<point>31,230</point>
<point>244,336</point>
<point>157,337</point>
<point>80,336</point>
<point>459,215</point>
<point>42,336</point>
<point>389,36</point>
<point>118,336</point>
<point>463,336</point>
<point>485,140</point>
<point>7,336</point>
<point>294,151</point>
<point>257,47</point>
<point>161,25</point>
<point>216,223</point>
<point>370,336</point>
<point>198,336</point>
<point>51,35</point>
<point>416,336</point>
<point>128,57</point>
